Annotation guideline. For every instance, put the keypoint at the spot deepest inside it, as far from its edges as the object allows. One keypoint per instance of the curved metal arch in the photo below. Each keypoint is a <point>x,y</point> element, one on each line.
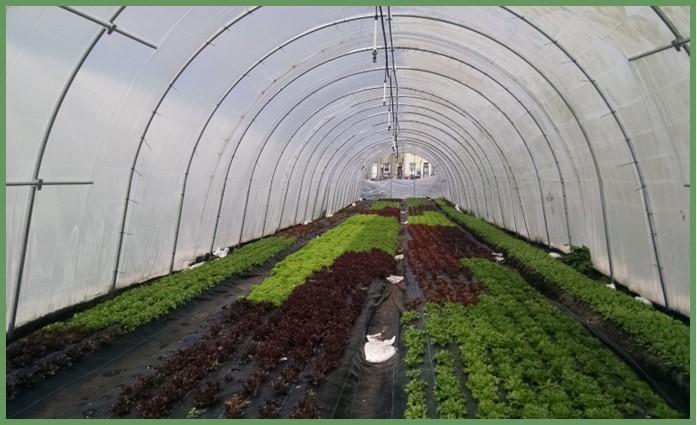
<point>630,147</point>
<point>460,134</point>
<point>154,112</point>
<point>39,162</point>
<point>360,140</point>
<point>420,133</point>
<point>508,171</point>
<point>413,16</point>
<point>522,210</point>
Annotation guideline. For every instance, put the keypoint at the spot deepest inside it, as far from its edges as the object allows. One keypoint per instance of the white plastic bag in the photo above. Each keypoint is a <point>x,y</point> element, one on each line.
<point>378,350</point>
<point>395,279</point>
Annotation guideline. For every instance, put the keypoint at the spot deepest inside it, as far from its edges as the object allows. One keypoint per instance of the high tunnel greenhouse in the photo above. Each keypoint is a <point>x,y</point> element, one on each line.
<point>210,213</point>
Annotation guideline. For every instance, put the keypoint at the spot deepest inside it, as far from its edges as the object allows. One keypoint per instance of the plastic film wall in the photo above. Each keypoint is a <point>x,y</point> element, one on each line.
<point>141,137</point>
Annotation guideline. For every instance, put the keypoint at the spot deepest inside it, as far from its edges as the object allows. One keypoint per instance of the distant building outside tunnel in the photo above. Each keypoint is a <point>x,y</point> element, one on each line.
<point>404,166</point>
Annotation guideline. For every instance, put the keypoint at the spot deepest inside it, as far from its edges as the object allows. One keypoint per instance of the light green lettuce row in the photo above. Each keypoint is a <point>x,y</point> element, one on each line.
<point>378,205</point>
<point>142,304</point>
<point>430,218</point>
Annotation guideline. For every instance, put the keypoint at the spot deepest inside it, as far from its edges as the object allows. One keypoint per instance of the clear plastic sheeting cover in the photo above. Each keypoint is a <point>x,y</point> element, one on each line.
<point>208,126</point>
<point>431,187</point>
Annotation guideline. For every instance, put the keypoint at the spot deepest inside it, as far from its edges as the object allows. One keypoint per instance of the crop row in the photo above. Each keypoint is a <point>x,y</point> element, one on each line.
<point>434,254</point>
<point>417,206</point>
<point>666,337</point>
<point>415,344</point>
<point>419,202</point>
<point>384,203</point>
<point>448,394</point>
<point>358,233</point>
<point>524,359</point>
<point>430,218</point>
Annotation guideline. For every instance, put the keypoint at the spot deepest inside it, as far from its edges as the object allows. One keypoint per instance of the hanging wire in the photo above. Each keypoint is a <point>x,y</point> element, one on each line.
<point>394,73</point>
<point>375,36</point>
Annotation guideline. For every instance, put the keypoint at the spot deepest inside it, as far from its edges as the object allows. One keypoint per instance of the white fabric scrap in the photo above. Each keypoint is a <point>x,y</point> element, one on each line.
<point>643,300</point>
<point>498,256</point>
<point>220,253</point>
<point>395,279</point>
<point>378,350</point>
<point>329,214</point>
<point>399,257</point>
<point>193,266</point>
<point>554,255</point>
<point>457,207</point>
<point>611,286</point>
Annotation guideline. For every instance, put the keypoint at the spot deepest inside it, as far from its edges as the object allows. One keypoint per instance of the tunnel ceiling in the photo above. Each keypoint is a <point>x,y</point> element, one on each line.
<point>140,137</point>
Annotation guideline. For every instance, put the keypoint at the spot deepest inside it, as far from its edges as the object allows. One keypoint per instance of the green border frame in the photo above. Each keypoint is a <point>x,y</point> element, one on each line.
<point>692,6</point>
